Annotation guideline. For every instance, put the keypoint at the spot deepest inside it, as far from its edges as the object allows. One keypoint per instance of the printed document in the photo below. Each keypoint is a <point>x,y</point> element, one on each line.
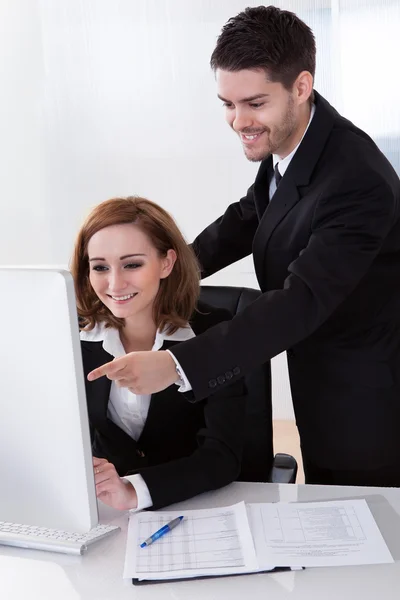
<point>253,538</point>
<point>215,541</point>
<point>317,534</point>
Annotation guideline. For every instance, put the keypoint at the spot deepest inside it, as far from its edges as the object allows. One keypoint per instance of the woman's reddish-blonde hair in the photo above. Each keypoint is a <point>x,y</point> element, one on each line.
<point>178,294</point>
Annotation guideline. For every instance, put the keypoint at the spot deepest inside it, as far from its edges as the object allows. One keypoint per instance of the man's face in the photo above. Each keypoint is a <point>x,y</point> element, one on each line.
<point>263,114</point>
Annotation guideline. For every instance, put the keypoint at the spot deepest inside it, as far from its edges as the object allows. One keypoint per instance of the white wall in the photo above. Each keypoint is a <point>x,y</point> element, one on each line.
<point>131,108</point>
<point>115,97</point>
<point>26,234</point>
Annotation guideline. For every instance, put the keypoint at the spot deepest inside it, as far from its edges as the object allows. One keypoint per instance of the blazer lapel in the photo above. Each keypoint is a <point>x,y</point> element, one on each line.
<point>298,175</point>
<point>98,391</point>
<point>285,197</point>
<point>160,406</point>
<point>157,416</point>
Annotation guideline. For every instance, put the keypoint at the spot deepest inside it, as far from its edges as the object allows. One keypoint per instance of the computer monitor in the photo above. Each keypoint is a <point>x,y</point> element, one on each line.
<point>46,473</point>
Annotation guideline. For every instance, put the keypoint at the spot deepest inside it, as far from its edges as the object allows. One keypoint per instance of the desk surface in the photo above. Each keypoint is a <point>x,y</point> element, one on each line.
<point>97,575</point>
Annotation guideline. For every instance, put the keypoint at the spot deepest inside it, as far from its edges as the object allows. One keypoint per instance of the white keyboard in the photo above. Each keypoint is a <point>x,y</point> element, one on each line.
<point>54,540</point>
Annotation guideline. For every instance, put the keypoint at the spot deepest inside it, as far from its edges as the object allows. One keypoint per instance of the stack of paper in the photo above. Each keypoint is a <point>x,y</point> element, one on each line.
<point>317,534</point>
<point>254,538</point>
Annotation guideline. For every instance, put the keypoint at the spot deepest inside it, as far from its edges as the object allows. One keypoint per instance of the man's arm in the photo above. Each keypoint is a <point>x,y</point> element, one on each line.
<point>349,228</point>
<point>347,234</point>
<point>229,238</point>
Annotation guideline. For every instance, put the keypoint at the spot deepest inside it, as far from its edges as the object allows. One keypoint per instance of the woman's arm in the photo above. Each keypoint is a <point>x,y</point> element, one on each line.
<point>217,460</point>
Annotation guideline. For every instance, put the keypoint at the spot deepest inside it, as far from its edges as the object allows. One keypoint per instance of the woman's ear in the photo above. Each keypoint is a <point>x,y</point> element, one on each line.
<point>168,263</point>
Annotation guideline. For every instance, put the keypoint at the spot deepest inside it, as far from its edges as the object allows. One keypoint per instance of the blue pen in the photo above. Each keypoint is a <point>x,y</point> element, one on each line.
<point>161,532</point>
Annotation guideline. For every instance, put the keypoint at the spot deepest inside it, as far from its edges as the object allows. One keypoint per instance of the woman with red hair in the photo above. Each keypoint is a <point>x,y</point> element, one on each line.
<point>137,289</point>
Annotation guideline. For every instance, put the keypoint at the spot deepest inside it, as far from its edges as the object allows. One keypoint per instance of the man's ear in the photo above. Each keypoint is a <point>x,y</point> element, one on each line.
<point>303,87</point>
<point>168,263</point>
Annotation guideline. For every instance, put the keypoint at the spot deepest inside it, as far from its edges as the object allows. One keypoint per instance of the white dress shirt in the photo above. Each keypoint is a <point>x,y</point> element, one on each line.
<point>183,382</point>
<point>126,409</point>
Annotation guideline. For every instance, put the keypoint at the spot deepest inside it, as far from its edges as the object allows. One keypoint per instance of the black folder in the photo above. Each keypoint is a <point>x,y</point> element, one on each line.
<point>171,580</point>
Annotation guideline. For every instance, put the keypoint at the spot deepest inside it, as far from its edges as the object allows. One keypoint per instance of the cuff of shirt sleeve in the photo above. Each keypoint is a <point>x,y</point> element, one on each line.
<point>142,491</point>
<point>183,381</point>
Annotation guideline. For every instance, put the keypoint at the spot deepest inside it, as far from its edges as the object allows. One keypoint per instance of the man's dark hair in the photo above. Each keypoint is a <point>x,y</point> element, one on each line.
<point>268,38</point>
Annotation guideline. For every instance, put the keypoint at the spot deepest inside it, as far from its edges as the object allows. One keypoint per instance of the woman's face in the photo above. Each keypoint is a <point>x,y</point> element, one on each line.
<point>125,270</point>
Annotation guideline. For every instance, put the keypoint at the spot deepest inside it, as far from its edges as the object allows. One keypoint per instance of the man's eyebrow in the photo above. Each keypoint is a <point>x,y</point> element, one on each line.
<point>249,99</point>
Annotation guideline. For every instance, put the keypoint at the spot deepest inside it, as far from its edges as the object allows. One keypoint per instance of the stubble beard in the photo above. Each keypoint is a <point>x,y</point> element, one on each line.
<point>281,134</point>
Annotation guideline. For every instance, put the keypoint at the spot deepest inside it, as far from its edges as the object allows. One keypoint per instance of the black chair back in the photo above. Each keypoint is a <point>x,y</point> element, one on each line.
<point>258,448</point>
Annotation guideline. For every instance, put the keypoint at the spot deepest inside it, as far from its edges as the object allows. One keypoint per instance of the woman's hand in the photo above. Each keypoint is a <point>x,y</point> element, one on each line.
<point>110,488</point>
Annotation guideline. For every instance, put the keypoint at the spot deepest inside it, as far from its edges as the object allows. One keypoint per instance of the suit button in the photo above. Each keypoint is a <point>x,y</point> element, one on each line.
<point>229,374</point>
<point>140,453</point>
<point>290,353</point>
<point>212,383</point>
<point>221,379</point>
<point>236,371</point>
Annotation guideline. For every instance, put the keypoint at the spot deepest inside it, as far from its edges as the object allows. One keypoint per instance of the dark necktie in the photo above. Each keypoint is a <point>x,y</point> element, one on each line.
<point>278,176</point>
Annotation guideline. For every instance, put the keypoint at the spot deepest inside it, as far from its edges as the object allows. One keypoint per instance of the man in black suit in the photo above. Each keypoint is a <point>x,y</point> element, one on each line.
<point>322,220</point>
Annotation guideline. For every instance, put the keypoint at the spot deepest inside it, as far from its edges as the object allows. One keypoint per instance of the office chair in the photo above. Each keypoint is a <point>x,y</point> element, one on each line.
<point>258,461</point>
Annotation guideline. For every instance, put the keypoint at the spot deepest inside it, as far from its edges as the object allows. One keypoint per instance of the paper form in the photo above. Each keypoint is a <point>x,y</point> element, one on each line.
<point>214,541</point>
<point>316,534</point>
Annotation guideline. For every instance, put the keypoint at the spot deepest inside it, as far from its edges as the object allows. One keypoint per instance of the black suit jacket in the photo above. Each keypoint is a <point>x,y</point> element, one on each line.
<point>327,257</point>
<point>185,448</point>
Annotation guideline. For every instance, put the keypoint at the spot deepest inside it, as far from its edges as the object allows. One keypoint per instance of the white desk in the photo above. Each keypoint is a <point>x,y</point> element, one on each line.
<point>34,575</point>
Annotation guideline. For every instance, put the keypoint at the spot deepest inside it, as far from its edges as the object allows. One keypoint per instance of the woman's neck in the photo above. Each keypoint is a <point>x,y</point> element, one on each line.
<point>138,335</point>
